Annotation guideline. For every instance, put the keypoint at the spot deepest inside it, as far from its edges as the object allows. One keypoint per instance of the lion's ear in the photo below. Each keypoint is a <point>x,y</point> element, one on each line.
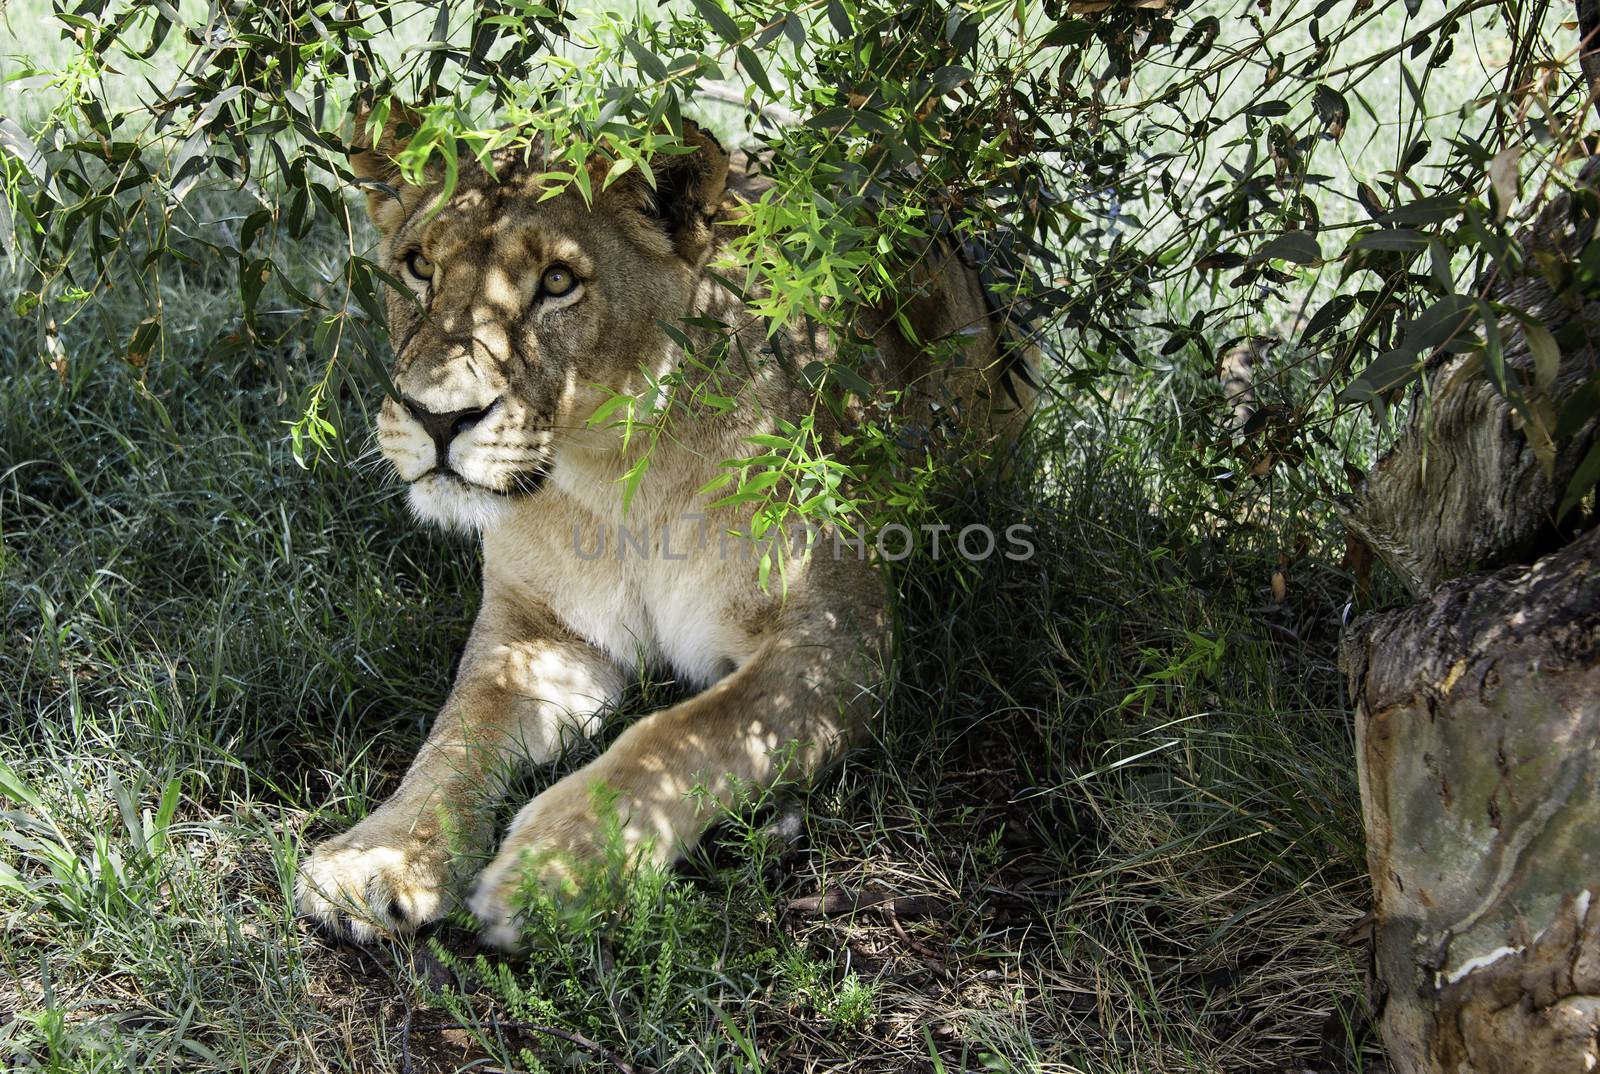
<point>372,161</point>
<point>688,190</point>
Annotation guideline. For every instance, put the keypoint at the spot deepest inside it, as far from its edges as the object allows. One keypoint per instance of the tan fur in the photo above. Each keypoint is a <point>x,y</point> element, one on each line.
<point>787,677</point>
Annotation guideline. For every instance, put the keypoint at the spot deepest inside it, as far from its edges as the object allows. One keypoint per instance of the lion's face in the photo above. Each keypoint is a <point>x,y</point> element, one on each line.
<point>521,316</point>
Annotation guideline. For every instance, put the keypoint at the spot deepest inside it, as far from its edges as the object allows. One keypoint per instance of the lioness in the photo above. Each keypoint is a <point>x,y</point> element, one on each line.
<point>524,316</point>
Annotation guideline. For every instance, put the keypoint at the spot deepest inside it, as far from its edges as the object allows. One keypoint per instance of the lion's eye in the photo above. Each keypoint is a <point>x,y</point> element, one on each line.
<point>419,266</point>
<point>557,280</point>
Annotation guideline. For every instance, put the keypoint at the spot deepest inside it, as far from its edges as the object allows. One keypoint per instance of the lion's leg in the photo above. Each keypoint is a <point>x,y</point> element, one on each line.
<point>522,683</point>
<point>789,710</point>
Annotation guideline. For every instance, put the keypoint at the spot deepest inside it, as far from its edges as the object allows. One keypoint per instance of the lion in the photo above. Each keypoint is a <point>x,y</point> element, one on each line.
<point>522,315</point>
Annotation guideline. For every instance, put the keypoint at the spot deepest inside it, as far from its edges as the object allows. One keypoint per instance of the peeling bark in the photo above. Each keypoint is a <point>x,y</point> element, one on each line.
<point>1478,737</point>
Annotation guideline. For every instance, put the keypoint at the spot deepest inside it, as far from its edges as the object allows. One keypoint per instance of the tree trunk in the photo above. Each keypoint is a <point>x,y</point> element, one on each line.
<point>1478,733</point>
<point>1478,707</point>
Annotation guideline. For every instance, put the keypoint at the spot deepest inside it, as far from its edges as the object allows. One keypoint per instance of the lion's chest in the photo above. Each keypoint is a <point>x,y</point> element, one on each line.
<point>640,593</point>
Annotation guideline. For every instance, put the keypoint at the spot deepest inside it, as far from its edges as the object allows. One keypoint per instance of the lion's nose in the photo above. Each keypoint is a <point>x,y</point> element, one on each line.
<point>445,426</point>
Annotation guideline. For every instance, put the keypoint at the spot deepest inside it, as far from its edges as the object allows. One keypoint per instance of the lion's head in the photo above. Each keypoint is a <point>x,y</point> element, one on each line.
<point>522,315</point>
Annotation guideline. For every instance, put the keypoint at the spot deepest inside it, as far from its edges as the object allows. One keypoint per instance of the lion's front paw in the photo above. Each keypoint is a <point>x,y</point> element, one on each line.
<point>493,900</point>
<point>364,885</point>
<point>548,837</point>
<point>555,836</point>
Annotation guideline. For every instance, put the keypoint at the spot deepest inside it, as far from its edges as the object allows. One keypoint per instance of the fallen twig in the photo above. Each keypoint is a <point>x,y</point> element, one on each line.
<point>578,1039</point>
<point>838,901</point>
<point>928,957</point>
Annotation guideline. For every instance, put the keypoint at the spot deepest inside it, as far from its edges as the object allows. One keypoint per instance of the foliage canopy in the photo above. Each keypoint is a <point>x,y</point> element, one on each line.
<point>1135,182</point>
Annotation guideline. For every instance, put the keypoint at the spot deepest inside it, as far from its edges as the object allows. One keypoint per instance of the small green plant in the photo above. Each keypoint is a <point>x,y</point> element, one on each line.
<point>851,1005</point>
<point>621,954</point>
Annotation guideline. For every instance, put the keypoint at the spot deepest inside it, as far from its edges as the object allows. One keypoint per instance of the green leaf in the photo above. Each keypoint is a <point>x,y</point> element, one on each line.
<point>143,341</point>
<point>1546,355</point>
<point>720,481</point>
<point>10,881</point>
<point>761,482</point>
<point>1441,324</point>
<point>1067,34</point>
<point>1433,209</point>
<point>631,479</point>
<point>161,824</point>
<point>647,60</point>
<point>718,20</point>
<point>13,787</point>
<point>1332,109</point>
<point>1419,149</point>
<point>839,19</point>
<point>851,380</point>
<point>752,67</point>
<point>619,168</point>
<point>1493,351</point>
<point>1268,109</point>
<point>608,408</point>
<point>1584,478</point>
<point>946,79</point>
<point>1402,239</point>
<point>1299,247</point>
<point>1388,372</point>
<point>581,179</point>
<point>1328,317</point>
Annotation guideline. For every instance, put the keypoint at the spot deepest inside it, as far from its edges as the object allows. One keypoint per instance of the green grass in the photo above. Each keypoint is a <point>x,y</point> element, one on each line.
<point>1112,790</point>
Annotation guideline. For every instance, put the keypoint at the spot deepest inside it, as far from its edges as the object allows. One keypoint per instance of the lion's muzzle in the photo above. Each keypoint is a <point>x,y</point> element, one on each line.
<point>443,427</point>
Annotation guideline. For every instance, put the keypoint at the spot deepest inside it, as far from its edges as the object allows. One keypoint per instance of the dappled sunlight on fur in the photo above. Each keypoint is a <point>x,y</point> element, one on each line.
<point>522,315</point>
